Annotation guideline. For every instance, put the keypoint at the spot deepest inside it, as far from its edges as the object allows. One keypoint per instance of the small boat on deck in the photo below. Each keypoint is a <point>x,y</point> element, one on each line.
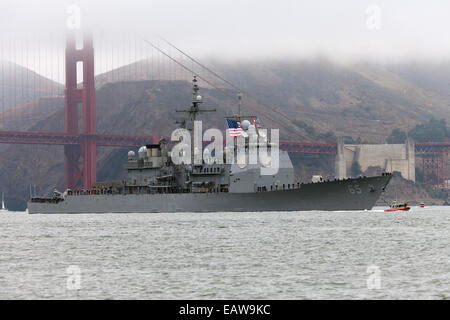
<point>398,207</point>
<point>422,205</point>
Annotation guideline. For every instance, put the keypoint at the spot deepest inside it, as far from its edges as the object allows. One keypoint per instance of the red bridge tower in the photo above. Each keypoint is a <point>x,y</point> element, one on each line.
<point>80,159</point>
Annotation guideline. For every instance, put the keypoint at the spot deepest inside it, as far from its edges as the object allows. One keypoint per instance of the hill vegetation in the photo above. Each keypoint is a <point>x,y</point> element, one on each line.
<point>432,130</point>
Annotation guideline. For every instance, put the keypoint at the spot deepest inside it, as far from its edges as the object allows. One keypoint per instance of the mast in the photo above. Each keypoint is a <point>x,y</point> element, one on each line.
<point>194,110</point>
<point>239,116</point>
<point>192,113</point>
<point>239,105</point>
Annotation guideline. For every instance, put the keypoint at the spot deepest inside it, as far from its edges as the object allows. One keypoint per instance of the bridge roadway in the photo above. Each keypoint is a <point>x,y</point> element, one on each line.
<point>108,140</point>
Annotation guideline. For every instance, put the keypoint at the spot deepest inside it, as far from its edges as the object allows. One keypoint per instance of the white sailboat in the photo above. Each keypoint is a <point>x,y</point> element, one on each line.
<point>3,209</point>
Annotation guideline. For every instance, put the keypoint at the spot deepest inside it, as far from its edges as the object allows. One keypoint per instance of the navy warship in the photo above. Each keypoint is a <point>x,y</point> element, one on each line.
<point>157,183</point>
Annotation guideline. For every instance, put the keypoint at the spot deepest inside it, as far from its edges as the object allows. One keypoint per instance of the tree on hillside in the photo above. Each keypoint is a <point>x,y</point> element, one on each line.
<point>330,136</point>
<point>355,169</point>
<point>397,136</point>
<point>431,131</point>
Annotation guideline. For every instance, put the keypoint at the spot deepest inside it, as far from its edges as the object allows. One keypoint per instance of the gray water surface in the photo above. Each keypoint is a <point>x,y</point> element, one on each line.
<point>271,255</point>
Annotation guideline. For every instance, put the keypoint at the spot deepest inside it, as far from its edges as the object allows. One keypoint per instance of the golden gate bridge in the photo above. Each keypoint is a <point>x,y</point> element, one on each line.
<point>81,140</point>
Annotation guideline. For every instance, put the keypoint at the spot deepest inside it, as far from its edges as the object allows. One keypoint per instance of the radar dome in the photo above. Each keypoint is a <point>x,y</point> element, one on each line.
<point>131,154</point>
<point>245,124</point>
<point>199,98</point>
<point>142,152</point>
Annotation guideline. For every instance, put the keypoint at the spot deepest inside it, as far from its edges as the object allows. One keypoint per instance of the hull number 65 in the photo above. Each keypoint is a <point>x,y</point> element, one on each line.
<point>354,189</point>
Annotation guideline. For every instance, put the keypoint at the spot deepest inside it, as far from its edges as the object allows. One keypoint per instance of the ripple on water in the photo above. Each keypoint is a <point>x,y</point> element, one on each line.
<point>273,255</point>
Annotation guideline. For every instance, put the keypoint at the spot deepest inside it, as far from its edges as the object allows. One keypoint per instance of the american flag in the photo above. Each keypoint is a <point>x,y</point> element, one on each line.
<point>256,122</point>
<point>234,128</point>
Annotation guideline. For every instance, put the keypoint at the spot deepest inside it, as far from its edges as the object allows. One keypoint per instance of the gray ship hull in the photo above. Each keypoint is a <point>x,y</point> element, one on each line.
<point>348,194</point>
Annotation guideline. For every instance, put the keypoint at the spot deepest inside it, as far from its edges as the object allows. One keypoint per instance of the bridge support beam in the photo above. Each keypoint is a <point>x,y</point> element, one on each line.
<point>435,169</point>
<point>80,172</point>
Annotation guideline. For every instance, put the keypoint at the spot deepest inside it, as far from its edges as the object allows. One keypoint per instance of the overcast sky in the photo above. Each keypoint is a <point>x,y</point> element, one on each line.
<point>347,29</point>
